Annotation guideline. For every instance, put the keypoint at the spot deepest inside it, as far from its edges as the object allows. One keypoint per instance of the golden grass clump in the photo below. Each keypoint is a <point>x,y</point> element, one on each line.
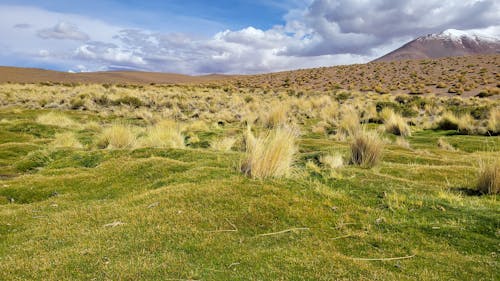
<point>402,142</point>
<point>386,113</point>
<point>350,124</point>
<point>56,119</point>
<point>334,161</point>
<point>66,139</point>
<point>366,149</point>
<point>271,155</point>
<point>117,136</point>
<point>489,178</point>
<point>165,134</point>
<point>494,121</point>
<point>396,124</point>
<point>224,144</point>
<point>448,121</point>
<point>276,117</point>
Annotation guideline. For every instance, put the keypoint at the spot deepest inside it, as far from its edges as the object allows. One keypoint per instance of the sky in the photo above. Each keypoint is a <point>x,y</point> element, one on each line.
<point>222,36</point>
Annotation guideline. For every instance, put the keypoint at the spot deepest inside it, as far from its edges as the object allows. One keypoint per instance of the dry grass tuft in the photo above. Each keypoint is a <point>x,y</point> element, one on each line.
<point>489,178</point>
<point>271,155</point>
<point>165,134</point>
<point>448,121</point>
<point>366,149</point>
<point>350,124</point>
<point>224,144</point>
<point>396,124</point>
<point>400,141</point>
<point>276,117</point>
<point>117,136</point>
<point>494,121</point>
<point>56,119</point>
<point>66,139</point>
<point>334,161</point>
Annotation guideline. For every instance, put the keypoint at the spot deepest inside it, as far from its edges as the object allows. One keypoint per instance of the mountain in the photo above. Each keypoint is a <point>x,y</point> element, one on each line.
<point>35,75</point>
<point>448,43</point>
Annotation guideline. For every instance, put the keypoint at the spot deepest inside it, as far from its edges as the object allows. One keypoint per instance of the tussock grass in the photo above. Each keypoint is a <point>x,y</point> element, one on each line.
<point>395,124</point>
<point>165,134</point>
<point>447,121</point>
<point>330,161</point>
<point>349,124</point>
<point>67,139</point>
<point>401,141</point>
<point>366,149</point>
<point>271,155</point>
<point>489,177</point>
<point>117,136</point>
<point>56,119</point>
<point>276,117</point>
<point>494,121</point>
<point>466,125</point>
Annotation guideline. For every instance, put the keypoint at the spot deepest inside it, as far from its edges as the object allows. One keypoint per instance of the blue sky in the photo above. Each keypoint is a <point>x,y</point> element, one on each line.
<point>198,37</point>
<point>162,14</point>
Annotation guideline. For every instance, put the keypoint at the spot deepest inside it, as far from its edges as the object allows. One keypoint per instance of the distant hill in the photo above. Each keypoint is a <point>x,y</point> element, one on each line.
<point>459,75</point>
<point>35,75</point>
<point>449,43</point>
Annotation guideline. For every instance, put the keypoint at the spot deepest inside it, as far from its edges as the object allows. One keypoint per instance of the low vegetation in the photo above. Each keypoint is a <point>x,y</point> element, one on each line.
<point>210,182</point>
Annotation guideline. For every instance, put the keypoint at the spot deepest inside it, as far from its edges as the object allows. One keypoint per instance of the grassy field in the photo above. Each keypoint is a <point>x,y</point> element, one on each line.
<point>76,205</point>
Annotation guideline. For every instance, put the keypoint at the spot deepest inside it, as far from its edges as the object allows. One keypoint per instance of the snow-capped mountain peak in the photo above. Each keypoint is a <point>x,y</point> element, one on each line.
<point>451,42</point>
<point>457,36</point>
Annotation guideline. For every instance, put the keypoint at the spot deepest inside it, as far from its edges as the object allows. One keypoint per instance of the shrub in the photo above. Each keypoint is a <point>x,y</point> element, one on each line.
<point>489,178</point>
<point>117,136</point>
<point>271,155</point>
<point>366,149</point>
<point>67,139</point>
<point>165,134</point>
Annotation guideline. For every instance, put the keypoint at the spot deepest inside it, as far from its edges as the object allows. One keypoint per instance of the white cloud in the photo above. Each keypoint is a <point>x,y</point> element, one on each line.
<point>63,30</point>
<point>326,32</point>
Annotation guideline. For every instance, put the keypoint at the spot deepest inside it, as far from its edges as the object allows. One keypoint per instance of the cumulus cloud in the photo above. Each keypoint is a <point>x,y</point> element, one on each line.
<point>326,32</point>
<point>344,26</point>
<point>63,30</point>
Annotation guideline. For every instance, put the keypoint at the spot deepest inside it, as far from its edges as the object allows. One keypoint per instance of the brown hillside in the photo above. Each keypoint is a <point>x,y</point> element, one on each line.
<point>453,75</point>
<point>34,75</point>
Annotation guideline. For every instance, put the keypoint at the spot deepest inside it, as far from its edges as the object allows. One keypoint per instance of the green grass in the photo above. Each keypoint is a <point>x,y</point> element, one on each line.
<point>184,214</point>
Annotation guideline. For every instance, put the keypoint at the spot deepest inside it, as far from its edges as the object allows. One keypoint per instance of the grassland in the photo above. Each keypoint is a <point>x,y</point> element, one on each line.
<point>95,185</point>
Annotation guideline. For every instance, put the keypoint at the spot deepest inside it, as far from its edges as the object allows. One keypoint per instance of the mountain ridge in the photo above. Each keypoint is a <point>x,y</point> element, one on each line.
<point>449,43</point>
